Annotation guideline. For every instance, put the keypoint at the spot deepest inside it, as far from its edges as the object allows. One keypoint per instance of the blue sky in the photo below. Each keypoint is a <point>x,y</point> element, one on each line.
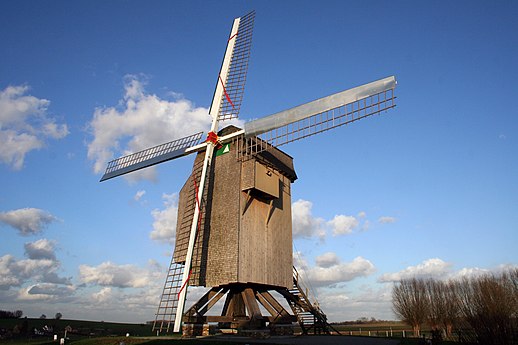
<point>427,189</point>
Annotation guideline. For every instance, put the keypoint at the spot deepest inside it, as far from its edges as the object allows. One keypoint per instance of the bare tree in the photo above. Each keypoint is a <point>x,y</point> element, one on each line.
<point>410,303</point>
<point>452,310</point>
<point>435,290</point>
<point>443,305</point>
<point>489,305</point>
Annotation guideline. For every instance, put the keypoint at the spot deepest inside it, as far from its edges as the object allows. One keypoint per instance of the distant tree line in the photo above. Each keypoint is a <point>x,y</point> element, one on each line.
<point>6,314</point>
<point>482,309</point>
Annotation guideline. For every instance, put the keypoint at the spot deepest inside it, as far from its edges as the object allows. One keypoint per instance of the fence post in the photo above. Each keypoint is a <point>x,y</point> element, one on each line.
<point>403,333</point>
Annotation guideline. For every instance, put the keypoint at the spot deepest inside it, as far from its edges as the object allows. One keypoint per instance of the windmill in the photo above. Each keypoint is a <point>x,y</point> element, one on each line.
<point>234,215</point>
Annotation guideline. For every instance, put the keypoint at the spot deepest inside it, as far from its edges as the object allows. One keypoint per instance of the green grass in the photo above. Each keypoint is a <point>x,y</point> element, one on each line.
<point>125,340</point>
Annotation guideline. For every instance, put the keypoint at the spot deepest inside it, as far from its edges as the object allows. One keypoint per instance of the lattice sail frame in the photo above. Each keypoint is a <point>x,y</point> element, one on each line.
<point>234,83</point>
<point>152,156</point>
<point>318,116</point>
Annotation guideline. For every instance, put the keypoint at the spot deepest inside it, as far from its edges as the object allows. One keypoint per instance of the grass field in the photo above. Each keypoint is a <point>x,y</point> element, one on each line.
<point>109,333</point>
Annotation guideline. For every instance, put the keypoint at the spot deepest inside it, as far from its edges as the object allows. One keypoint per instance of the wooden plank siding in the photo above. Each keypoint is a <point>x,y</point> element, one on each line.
<point>246,234</point>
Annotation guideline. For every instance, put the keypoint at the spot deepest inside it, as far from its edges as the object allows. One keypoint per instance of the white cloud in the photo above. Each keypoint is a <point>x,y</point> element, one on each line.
<point>304,224</point>
<point>144,120</point>
<point>164,224</point>
<point>299,261</point>
<point>386,220</point>
<point>24,125</point>
<point>122,276</point>
<point>40,249</point>
<point>366,301</point>
<point>327,260</point>
<point>435,268</point>
<point>28,221</point>
<point>46,291</point>
<point>470,272</point>
<point>139,195</point>
<point>40,267</point>
<point>339,272</point>
<point>103,296</point>
<point>342,225</point>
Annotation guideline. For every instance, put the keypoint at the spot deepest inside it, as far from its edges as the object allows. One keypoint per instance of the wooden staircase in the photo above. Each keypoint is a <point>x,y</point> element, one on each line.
<point>311,318</point>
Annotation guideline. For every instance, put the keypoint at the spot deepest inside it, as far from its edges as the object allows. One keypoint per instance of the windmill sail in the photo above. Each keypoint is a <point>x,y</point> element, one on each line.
<point>322,114</point>
<point>148,157</point>
<point>231,81</point>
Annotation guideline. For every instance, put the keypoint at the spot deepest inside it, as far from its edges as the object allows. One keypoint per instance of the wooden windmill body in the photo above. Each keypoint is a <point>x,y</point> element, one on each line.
<point>234,231</point>
<point>244,235</point>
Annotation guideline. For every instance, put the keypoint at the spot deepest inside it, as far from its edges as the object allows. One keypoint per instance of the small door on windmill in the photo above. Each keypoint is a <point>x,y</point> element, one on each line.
<point>260,179</point>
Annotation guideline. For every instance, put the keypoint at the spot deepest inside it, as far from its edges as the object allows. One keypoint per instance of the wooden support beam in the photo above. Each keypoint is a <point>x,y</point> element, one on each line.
<point>234,304</point>
<point>197,307</point>
<point>267,305</point>
<point>279,309</point>
<point>213,299</point>
<point>251,304</point>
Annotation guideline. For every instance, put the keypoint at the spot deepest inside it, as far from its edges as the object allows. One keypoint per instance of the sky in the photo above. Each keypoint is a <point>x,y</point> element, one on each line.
<point>428,189</point>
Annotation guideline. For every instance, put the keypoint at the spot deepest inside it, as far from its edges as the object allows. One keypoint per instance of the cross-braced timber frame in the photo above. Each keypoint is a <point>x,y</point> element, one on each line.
<point>241,309</point>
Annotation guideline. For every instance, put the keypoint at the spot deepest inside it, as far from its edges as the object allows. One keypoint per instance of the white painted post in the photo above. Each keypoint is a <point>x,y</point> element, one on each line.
<point>214,109</point>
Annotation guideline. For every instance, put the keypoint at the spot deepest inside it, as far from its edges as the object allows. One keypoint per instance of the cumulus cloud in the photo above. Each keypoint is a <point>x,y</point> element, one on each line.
<point>41,267</point>
<point>342,225</point>
<point>164,224</point>
<point>103,296</point>
<point>327,260</point>
<point>109,274</point>
<point>28,221</point>
<point>467,272</point>
<point>46,291</point>
<point>332,271</point>
<point>304,224</point>
<point>367,301</point>
<point>143,120</point>
<point>24,125</point>
<point>431,268</point>
<point>386,220</point>
<point>40,249</point>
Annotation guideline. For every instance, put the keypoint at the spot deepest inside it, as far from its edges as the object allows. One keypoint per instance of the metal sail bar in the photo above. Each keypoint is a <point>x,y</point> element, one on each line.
<point>234,82</point>
<point>148,157</point>
<point>321,115</point>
